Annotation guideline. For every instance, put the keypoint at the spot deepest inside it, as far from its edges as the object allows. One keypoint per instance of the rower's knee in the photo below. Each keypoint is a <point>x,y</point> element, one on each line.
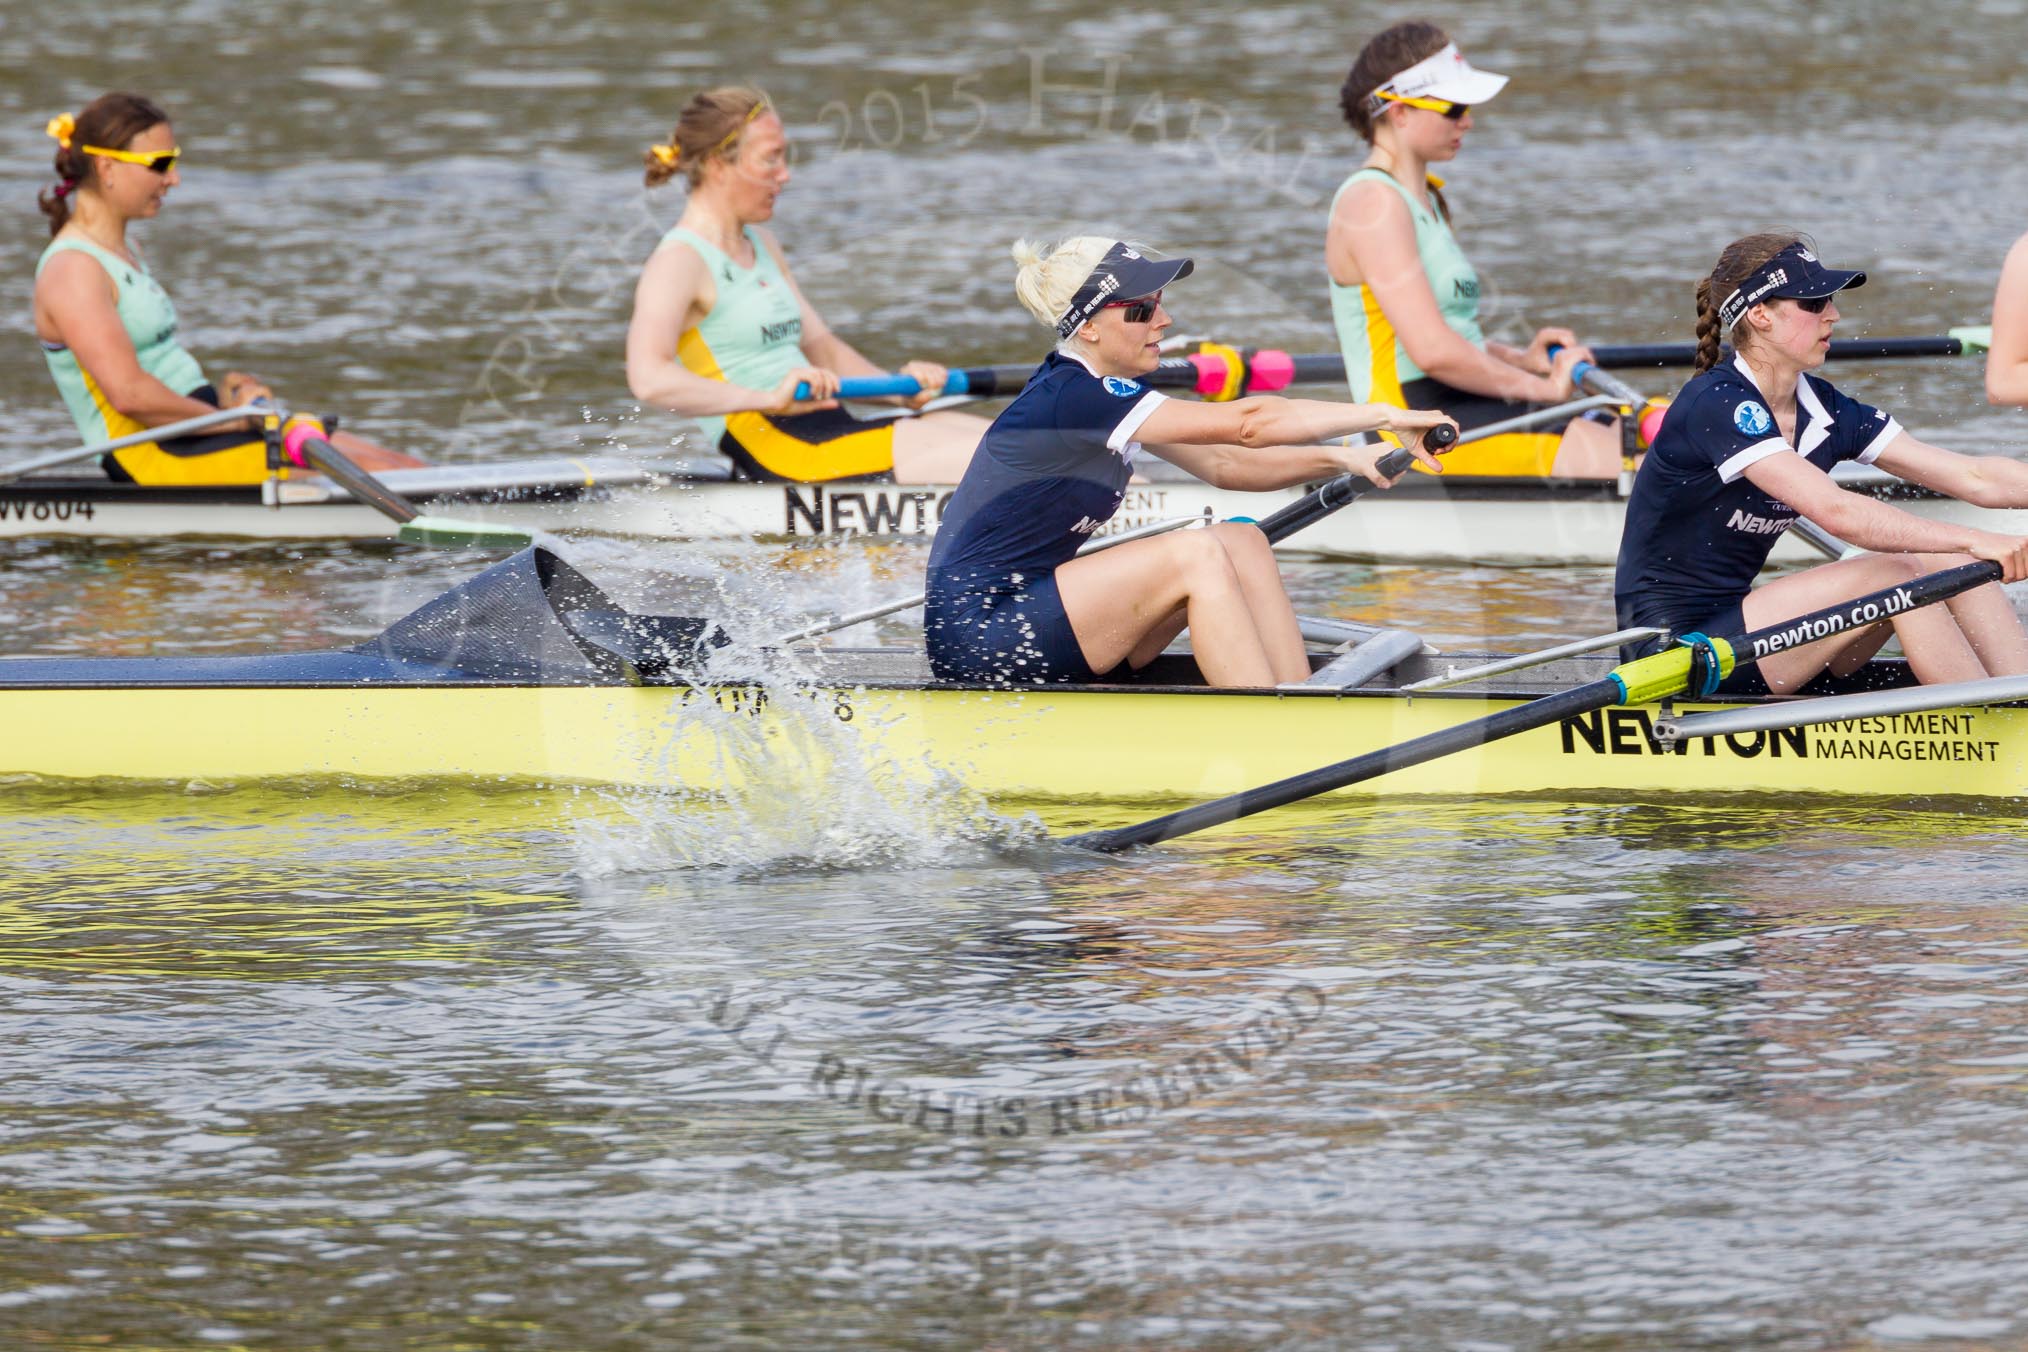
<point>1205,560</point>
<point>1241,539</point>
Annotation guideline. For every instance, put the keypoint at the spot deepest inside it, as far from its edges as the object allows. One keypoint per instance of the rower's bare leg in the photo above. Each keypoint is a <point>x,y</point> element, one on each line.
<point>371,456</point>
<point>1937,646</point>
<point>936,447</point>
<point>1119,598</point>
<point>1985,617</point>
<point>1267,600</point>
<point>1589,450</point>
<point>1158,639</point>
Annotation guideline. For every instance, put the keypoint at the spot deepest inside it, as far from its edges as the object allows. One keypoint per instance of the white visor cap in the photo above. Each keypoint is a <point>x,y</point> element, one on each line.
<point>1447,76</point>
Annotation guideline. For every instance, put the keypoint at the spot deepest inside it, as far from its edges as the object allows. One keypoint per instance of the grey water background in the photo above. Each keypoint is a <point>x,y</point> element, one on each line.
<point>306,1066</point>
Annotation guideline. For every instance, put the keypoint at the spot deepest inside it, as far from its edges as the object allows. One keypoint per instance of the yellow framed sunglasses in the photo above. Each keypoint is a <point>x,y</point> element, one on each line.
<point>733,136</point>
<point>1453,111</point>
<point>155,161</point>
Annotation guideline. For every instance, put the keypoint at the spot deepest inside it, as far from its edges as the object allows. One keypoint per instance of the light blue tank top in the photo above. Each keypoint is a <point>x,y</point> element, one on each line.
<point>754,333</point>
<point>149,318</point>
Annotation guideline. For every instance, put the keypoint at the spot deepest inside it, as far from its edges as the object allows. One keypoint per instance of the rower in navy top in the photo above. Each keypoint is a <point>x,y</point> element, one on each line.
<point>1009,601</point>
<point>1748,446</point>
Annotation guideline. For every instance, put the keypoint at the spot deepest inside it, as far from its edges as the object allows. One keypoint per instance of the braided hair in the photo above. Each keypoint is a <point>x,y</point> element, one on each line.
<point>1741,259</point>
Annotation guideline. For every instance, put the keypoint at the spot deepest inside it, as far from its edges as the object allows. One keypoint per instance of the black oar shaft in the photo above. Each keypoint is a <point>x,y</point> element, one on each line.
<point>1372,765</point>
<point>1843,349</point>
<point>337,467</point>
<point>1328,497</point>
<point>1658,676</point>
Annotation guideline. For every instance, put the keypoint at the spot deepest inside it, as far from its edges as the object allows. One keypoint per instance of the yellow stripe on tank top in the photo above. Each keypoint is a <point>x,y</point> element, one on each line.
<point>150,465</point>
<point>696,356</point>
<point>1386,376</point>
<point>1511,454</point>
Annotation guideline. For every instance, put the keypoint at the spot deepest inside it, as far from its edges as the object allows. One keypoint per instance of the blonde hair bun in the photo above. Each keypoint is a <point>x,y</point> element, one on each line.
<point>1044,282</point>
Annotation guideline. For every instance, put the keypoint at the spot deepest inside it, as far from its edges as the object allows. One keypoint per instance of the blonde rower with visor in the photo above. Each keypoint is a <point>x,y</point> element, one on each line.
<point>1010,601</point>
<point>722,333</point>
<point>1404,297</point>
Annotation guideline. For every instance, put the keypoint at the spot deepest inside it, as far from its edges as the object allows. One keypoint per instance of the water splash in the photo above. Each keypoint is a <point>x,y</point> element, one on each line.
<point>777,768</point>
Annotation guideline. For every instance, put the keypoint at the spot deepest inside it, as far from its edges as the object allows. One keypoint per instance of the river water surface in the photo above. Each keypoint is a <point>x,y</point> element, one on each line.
<point>309,1066</point>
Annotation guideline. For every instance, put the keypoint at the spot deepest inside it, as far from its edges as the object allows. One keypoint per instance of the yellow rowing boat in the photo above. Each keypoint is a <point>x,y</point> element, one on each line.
<point>529,674</point>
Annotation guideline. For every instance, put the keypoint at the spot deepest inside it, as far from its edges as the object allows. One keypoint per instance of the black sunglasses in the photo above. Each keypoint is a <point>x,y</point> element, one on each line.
<point>1137,311</point>
<point>1811,304</point>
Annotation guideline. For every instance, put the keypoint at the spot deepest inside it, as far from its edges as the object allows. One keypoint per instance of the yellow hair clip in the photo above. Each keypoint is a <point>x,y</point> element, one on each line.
<point>63,126</point>
<point>666,155</point>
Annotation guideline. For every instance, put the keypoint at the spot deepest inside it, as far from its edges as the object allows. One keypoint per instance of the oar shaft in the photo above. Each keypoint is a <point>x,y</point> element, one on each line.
<point>146,434</point>
<point>1327,498</point>
<point>1862,611</point>
<point>1372,765</point>
<point>1843,349</point>
<point>985,382</point>
<point>333,465</point>
<point>1270,369</point>
<point>1658,676</point>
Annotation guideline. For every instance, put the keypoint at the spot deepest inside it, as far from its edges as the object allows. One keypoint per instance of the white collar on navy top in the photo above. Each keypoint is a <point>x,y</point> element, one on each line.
<point>1078,357</point>
<point>1815,418</point>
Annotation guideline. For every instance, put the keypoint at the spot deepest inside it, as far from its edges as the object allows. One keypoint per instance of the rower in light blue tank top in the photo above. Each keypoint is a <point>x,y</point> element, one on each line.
<point>753,335</point>
<point>149,318</point>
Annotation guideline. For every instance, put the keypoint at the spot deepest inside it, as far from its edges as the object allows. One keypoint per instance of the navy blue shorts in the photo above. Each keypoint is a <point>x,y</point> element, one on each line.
<point>1727,623</point>
<point>1004,638</point>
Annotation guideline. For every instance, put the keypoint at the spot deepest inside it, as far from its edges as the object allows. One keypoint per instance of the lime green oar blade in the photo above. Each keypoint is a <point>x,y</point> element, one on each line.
<point>1978,338</point>
<point>446,532</point>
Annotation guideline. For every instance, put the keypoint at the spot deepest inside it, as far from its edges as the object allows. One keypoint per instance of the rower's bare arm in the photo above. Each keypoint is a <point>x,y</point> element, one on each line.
<point>76,305</point>
<point>1259,470</point>
<point>675,290</point>
<point>830,352</point>
<point>1982,480</point>
<point>1268,420</point>
<point>1374,239</point>
<point>2007,360</point>
<point>1869,523</point>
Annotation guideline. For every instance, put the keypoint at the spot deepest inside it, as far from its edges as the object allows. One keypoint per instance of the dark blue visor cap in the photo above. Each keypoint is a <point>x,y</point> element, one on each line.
<point>1792,274</point>
<point>1123,274</point>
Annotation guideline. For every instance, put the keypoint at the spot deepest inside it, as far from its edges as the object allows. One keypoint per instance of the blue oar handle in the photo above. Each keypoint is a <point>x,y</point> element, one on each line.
<point>1579,373</point>
<point>1585,373</point>
<point>879,387</point>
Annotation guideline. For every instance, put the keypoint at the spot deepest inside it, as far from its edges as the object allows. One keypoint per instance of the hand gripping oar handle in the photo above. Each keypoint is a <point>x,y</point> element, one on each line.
<point>1591,375</point>
<point>1328,497</point>
<point>1658,676</point>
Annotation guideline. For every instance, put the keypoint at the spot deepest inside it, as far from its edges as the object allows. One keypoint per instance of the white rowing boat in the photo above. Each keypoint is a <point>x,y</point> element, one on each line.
<point>1423,519</point>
